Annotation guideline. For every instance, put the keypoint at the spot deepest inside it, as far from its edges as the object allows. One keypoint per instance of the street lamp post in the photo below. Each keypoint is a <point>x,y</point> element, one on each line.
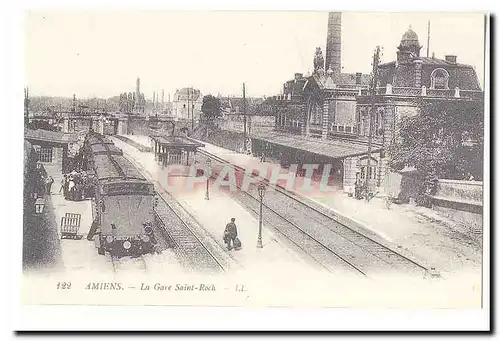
<point>209,162</point>
<point>39,206</point>
<point>262,190</point>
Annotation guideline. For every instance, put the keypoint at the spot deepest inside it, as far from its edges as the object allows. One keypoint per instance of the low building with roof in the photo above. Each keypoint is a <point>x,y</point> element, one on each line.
<point>53,148</point>
<point>174,150</point>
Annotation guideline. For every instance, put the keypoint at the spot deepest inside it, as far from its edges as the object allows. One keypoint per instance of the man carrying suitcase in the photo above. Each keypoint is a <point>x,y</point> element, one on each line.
<point>230,234</point>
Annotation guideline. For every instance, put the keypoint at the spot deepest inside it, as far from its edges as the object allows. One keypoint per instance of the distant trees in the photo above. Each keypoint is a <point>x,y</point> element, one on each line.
<point>444,141</point>
<point>211,108</point>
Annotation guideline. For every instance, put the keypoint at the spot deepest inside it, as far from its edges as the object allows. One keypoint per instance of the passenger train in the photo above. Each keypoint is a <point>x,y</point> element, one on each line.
<point>123,203</point>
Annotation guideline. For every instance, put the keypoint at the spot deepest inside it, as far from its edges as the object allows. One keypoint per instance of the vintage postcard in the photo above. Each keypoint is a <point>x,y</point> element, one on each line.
<point>255,159</point>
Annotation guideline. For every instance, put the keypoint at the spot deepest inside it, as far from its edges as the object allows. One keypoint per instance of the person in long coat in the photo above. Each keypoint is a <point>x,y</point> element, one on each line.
<point>230,234</point>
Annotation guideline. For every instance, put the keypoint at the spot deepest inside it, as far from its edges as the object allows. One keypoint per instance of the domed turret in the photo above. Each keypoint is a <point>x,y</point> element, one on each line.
<point>409,48</point>
<point>410,35</point>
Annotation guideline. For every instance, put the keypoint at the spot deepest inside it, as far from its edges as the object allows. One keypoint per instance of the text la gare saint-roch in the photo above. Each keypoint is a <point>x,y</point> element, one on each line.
<point>178,287</point>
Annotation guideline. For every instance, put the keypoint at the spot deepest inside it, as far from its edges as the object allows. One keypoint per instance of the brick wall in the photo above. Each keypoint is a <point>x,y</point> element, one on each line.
<point>461,201</point>
<point>226,139</point>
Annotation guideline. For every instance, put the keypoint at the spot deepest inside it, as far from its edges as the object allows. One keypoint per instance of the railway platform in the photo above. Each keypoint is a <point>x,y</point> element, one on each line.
<point>77,255</point>
<point>215,213</point>
<point>268,266</point>
<point>416,230</point>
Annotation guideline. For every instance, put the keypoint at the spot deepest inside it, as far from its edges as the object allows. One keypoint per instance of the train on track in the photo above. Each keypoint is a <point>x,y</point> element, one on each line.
<point>123,202</point>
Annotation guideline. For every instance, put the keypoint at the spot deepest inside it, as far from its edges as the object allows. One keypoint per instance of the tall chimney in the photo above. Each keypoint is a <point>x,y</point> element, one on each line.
<point>358,78</point>
<point>333,44</point>
<point>162,98</point>
<point>74,103</point>
<point>137,87</point>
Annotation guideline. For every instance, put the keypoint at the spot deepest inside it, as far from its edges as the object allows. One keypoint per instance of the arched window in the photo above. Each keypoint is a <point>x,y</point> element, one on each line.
<point>365,171</point>
<point>439,79</point>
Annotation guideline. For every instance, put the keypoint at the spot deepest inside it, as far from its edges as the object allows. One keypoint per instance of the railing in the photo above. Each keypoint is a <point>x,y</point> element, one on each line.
<point>440,92</point>
<point>427,92</point>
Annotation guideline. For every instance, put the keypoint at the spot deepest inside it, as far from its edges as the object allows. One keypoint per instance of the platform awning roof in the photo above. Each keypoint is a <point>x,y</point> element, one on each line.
<point>176,141</point>
<point>43,135</point>
<point>335,149</point>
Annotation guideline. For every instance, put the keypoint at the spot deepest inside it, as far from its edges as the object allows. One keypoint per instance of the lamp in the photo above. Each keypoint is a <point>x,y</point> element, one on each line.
<point>209,170</point>
<point>39,205</point>
<point>261,190</point>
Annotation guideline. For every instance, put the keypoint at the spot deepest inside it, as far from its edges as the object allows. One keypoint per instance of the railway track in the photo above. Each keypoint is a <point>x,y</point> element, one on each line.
<point>127,264</point>
<point>320,235</point>
<point>177,226</point>
<point>190,250</point>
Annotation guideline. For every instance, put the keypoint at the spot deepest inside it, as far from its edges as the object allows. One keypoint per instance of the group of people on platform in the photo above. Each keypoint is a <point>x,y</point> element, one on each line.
<point>77,186</point>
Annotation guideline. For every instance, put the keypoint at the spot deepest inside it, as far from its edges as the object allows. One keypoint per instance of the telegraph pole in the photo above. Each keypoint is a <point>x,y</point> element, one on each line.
<point>188,105</point>
<point>244,120</point>
<point>376,60</point>
<point>26,106</point>
<point>192,113</point>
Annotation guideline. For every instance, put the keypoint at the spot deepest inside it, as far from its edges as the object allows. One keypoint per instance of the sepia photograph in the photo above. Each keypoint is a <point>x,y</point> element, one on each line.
<point>328,159</point>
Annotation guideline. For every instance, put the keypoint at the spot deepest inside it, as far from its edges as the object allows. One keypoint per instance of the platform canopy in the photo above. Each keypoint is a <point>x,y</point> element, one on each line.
<point>335,149</point>
<point>41,135</point>
<point>176,142</point>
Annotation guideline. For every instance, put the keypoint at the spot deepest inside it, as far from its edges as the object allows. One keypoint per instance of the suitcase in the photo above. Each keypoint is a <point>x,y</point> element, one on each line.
<point>237,243</point>
<point>226,238</point>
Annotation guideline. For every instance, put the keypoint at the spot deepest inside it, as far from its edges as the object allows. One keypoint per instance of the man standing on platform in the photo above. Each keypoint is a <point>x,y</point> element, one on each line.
<point>230,234</point>
<point>49,182</point>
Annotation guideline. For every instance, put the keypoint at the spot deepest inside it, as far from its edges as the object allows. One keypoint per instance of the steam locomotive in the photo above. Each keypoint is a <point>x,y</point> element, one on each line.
<point>123,203</point>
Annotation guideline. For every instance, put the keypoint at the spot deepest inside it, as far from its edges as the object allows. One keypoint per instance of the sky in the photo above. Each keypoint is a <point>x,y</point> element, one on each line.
<point>101,53</point>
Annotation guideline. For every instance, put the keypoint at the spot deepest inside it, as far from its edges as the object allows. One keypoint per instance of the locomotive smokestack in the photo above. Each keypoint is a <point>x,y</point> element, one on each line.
<point>333,43</point>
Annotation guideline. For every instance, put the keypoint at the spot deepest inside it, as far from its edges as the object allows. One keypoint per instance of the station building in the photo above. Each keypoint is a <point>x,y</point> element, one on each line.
<point>325,117</point>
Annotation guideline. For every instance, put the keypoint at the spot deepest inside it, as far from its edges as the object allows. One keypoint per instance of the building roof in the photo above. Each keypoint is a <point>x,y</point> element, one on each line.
<point>236,104</point>
<point>341,80</point>
<point>403,74</point>
<point>410,35</point>
<point>176,141</point>
<point>49,136</point>
<point>335,149</point>
<point>294,87</point>
<point>184,93</point>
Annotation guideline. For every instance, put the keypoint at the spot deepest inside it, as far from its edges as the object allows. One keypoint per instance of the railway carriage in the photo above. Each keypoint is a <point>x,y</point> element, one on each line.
<point>124,201</point>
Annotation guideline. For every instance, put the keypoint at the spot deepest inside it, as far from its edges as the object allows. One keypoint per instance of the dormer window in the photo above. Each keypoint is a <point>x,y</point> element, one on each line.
<point>439,79</point>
